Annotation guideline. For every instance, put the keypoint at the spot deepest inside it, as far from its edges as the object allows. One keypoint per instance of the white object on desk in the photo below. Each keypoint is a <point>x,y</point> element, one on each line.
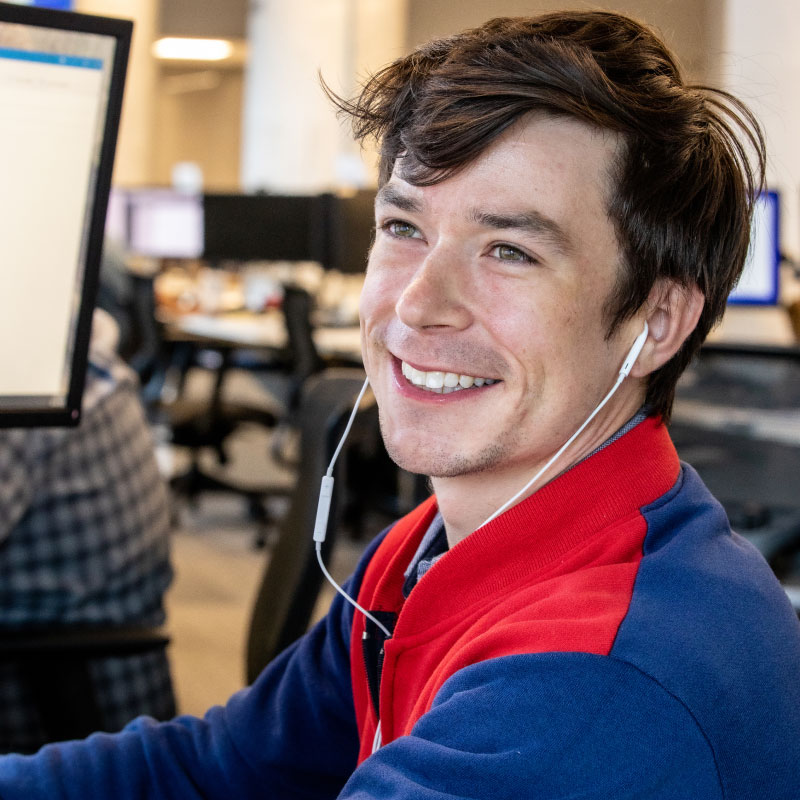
<point>768,325</point>
<point>266,330</point>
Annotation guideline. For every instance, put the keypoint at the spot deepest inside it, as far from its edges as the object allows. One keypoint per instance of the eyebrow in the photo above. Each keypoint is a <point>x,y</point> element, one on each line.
<point>530,222</point>
<point>391,195</point>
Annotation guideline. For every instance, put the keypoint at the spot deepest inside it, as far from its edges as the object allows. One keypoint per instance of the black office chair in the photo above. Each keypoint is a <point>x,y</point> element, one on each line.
<point>55,663</point>
<point>210,423</point>
<point>292,578</point>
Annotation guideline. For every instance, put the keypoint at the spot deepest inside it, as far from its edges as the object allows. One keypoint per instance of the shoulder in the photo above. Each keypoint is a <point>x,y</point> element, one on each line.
<point>709,622</point>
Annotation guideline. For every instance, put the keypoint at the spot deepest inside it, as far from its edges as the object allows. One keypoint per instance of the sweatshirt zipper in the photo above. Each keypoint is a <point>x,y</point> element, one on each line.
<point>372,642</point>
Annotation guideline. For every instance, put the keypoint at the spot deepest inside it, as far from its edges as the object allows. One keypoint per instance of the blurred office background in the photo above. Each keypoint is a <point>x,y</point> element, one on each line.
<point>199,288</point>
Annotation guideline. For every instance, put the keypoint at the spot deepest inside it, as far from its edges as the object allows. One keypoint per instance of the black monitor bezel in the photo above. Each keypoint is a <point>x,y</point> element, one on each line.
<point>69,414</point>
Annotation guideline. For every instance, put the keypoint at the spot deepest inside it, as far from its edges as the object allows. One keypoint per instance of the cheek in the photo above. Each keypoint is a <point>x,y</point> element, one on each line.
<point>373,296</point>
<point>383,285</point>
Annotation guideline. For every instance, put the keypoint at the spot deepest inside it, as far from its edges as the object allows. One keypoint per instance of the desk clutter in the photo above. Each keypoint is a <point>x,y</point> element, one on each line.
<point>737,422</point>
<point>267,325</point>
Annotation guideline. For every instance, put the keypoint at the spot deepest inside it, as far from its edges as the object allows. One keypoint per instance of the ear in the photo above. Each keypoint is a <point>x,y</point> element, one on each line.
<point>671,312</point>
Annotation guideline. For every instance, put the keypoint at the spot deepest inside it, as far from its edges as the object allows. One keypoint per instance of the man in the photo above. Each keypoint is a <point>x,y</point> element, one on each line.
<point>548,186</point>
<point>84,540</point>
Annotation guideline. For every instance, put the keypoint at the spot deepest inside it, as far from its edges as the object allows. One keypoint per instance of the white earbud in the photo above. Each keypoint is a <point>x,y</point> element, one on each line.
<point>633,353</point>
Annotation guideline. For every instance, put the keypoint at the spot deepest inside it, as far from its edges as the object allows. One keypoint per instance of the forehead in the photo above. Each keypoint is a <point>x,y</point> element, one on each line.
<point>557,165</point>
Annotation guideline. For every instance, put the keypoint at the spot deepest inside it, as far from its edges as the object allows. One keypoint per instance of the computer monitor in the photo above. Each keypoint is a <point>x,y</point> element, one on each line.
<point>117,222</point>
<point>351,227</point>
<point>163,223</point>
<point>264,227</point>
<point>61,80</point>
<point>759,283</point>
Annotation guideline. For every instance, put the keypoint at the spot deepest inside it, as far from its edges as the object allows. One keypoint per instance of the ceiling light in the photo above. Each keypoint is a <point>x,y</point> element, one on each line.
<point>192,49</point>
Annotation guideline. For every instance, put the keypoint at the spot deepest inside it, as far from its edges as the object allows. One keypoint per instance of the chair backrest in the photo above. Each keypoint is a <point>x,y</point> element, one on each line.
<point>292,579</point>
<point>297,306</point>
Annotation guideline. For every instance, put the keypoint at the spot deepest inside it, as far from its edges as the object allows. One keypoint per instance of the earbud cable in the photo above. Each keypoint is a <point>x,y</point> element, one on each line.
<point>323,512</point>
<point>555,457</point>
<point>627,366</point>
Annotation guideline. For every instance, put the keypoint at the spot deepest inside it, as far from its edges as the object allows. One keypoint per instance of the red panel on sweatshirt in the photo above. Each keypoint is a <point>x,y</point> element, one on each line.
<point>554,573</point>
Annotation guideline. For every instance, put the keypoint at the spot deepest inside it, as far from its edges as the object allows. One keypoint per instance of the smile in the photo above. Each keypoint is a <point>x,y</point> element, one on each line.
<point>443,382</point>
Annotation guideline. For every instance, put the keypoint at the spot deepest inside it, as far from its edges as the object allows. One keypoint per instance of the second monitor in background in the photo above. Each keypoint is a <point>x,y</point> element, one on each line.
<point>240,227</point>
<point>759,284</point>
<point>351,226</point>
<point>334,231</point>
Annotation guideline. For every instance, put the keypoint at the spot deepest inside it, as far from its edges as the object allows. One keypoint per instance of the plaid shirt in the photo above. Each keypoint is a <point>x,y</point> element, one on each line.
<point>84,525</point>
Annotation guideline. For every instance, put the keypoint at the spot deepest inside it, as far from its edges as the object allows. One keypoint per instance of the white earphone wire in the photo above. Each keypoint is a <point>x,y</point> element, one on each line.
<point>627,365</point>
<point>323,512</point>
<point>326,489</point>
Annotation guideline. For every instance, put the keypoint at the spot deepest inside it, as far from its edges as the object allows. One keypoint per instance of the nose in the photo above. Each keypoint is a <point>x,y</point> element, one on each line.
<point>436,294</point>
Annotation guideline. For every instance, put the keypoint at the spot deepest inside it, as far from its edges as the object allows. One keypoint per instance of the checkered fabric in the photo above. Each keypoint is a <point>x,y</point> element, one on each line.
<point>84,526</point>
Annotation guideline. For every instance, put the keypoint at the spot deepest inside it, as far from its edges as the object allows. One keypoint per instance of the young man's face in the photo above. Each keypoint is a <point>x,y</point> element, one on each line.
<point>498,275</point>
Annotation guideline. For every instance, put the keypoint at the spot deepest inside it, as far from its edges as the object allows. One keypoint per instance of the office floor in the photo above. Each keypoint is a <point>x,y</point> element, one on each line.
<point>217,573</point>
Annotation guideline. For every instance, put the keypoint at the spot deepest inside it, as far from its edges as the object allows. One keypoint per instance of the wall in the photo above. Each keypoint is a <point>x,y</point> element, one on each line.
<point>761,64</point>
<point>198,118</point>
<point>211,19</point>
<point>685,24</point>
<point>134,162</point>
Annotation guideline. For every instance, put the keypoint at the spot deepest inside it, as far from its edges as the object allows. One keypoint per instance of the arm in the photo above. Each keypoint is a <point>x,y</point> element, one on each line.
<point>292,734</point>
<point>545,726</point>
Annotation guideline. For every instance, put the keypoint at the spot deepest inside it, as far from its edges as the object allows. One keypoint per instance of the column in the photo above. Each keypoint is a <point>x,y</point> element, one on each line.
<point>292,140</point>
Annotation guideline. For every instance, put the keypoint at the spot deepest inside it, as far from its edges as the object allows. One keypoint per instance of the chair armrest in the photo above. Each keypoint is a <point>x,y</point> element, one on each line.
<point>84,642</point>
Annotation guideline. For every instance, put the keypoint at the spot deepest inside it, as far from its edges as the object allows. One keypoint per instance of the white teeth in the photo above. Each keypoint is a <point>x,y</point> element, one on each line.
<point>450,380</point>
<point>434,380</point>
<point>442,382</point>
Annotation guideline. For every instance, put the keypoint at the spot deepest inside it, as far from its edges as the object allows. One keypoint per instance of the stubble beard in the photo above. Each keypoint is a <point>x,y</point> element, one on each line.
<point>439,462</point>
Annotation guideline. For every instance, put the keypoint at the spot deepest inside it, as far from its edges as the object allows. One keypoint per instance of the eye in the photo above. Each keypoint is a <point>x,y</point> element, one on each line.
<point>509,253</point>
<point>401,229</point>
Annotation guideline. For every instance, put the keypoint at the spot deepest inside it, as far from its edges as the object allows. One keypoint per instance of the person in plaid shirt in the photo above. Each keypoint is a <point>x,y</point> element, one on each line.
<point>84,539</point>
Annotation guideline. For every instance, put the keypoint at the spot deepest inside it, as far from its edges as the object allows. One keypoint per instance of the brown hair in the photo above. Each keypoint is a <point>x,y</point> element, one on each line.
<point>685,181</point>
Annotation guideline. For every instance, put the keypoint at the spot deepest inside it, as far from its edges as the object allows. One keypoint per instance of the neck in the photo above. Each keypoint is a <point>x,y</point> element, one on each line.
<point>467,501</point>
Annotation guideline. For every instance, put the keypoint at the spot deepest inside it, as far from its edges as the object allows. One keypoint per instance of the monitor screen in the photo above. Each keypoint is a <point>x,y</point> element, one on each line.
<point>117,217</point>
<point>61,78</point>
<point>759,283</point>
<point>63,5</point>
<point>165,224</point>
<point>266,227</point>
<point>352,228</point>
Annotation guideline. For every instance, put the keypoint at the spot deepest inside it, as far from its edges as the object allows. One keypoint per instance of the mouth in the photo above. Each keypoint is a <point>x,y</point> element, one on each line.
<point>439,382</point>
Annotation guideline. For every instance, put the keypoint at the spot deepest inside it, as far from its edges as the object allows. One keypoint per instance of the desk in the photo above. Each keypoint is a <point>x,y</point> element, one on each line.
<point>267,330</point>
<point>754,326</point>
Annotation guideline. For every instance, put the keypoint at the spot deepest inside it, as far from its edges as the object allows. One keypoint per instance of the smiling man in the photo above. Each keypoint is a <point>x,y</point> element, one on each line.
<point>485,327</point>
<point>559,222</point>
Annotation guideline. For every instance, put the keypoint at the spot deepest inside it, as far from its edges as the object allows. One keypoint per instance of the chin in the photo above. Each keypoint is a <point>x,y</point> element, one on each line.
<point>439,461</point>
